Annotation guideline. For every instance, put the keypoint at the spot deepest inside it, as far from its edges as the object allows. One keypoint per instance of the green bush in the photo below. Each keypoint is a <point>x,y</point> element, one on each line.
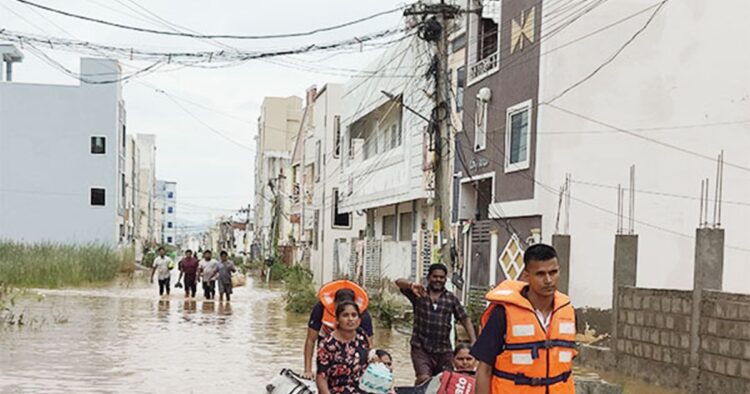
<point>148,258</point>
<point>386,309</point>
<point>52,265</point>
<point>299,288</point>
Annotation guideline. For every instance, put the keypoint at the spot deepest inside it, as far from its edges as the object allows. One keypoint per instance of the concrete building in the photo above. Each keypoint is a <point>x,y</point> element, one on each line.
<point>387,164</point>
<point>148,226</point>
<point>62,157</point>
<point>543,102</point>
<point>132,209</point>
<point>166,193</point>
<point>278,126</point>
<point>328,235</point>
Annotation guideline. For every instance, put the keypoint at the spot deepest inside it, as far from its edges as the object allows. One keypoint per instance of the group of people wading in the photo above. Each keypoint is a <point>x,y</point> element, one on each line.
<point>526,342</point>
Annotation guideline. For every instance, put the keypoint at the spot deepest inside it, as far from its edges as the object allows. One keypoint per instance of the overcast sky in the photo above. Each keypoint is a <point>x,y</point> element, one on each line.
<point>214,176</point>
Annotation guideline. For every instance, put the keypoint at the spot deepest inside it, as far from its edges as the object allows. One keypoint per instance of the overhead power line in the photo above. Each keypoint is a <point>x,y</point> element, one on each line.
<point>222,58</point>
<point>209,36</point>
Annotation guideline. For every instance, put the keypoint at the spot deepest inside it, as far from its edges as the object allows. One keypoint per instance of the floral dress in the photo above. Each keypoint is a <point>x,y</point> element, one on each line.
<point>343,363</point>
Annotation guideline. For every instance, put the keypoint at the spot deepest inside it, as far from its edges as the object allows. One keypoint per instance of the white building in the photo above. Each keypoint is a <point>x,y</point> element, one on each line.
<point>166,192</point>
<point>329,233</point>
<point>62,158</point>
<point>278,125</point>
<point>148,225</point>
<point>591,100</point>
<point>386,171</point>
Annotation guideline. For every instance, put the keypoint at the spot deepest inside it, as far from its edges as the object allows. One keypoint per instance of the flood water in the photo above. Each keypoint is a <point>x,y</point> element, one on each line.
<point>124,339</point>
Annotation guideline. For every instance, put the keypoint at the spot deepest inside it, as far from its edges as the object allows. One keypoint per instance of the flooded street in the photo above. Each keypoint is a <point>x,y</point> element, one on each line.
<point>123,339</point>
<point>126,340</point>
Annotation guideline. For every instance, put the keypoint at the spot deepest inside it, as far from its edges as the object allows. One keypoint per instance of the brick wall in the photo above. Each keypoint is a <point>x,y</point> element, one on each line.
<point>654,334</point>
<point>654,339</point>
<point>725,343</point>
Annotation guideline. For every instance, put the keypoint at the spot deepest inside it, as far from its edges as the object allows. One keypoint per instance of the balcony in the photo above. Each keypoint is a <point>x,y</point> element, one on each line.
<point>484,67</point>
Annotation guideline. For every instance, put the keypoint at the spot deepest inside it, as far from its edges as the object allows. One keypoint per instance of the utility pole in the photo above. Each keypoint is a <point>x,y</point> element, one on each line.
<point>436,18</point>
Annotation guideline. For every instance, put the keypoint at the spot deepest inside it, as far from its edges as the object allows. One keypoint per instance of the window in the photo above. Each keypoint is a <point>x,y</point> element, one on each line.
<point>405,227</point>
<point>98,145</point>
<point>340,219</point>
<point>318,152</point>
<point>170,225</point>
<point>460,86</point>
<point>371,146</point>
<point>169,240</point>
<point>487,38</point>
<point>124,138</point>
<point>458,43</point>
<point>480,126</point>
<point>97,197</point>
<point>170,195</point>
<point>336,136</point>
<point>517,140</point>
<point>170,209</point>
<point>395,136</point>
<point>389,226</point>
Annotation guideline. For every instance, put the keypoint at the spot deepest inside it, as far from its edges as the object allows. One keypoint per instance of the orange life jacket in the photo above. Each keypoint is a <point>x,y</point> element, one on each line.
<point>534,360</point>
<point>327,297</point>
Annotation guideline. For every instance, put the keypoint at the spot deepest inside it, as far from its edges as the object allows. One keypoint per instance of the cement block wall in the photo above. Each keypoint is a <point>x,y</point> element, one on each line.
<point>654,339</point>
<point>654,334</point>
<point>725,342</point>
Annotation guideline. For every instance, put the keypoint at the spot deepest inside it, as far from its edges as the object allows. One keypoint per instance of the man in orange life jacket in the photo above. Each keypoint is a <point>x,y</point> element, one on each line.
<point>527,343</point>
<point>323,316</point>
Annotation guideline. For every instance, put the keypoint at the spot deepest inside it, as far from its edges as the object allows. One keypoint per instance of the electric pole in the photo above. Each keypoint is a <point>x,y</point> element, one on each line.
<point>434,28</point>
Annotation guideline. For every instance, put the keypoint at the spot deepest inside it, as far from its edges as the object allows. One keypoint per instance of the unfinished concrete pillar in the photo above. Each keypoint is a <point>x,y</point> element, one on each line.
<point>624,272</point>
<point>561,243</point>
<point>708,273</point>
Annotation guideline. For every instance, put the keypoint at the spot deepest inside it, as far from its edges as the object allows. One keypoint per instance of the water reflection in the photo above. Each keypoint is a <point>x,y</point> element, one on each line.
<point>124,339</point>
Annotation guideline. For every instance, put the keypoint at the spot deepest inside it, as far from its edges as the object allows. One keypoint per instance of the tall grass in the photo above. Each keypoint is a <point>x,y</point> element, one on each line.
<point>300,291</point>
<point>52,265</point>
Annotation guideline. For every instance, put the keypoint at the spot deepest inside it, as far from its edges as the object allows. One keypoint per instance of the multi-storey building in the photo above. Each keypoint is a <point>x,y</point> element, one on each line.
<point>62,157</point>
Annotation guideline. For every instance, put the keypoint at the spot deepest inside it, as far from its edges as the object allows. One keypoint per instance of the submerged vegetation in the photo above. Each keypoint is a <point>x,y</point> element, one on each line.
<point>53,265</point>
<point>300,293</point>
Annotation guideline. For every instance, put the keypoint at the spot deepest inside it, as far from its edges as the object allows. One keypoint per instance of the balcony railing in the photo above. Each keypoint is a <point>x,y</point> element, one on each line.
<point>484,67</point>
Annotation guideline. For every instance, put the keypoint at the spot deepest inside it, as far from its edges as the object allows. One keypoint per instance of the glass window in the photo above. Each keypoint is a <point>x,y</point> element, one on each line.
<point>169,240</point>
<point>170,194</point>
<point>389,225</point>
<point>169,225</point>
<point>460,86</point>
<point>340,219</point>
<point>458,43</point>
<point>519,133</point>
<point>98,197</point>
<point>405,227</point>
<point>336,136</point>
<point>98,145</point>
<point>170,209</point>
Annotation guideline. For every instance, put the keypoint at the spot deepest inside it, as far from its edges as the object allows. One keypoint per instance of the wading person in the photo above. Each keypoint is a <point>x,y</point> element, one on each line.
<point>527,343</point>
<point>434,311</point>
<point>162,266</point>
<point>323,316</point>
<point>226,268</point>
<point>208,271</point>
<point>188,267</point>
<point>342,355</point>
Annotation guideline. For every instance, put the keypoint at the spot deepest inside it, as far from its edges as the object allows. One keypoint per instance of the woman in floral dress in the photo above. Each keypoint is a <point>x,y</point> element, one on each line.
<point>342,356</point>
